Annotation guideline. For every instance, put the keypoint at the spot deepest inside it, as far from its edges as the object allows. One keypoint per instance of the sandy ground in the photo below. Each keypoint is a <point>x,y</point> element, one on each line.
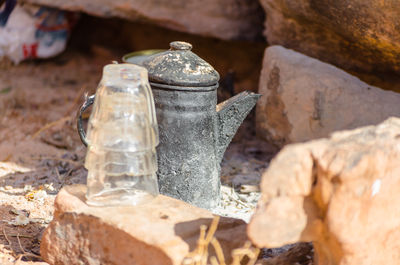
<point>40,150</point>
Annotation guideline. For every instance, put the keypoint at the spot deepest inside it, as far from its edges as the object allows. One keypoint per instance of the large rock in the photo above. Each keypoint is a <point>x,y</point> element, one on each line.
<point>357,34</point>
<point>304,98</point>
<point>342,193</point>
<point>223,19</point>
<point>159,232</point>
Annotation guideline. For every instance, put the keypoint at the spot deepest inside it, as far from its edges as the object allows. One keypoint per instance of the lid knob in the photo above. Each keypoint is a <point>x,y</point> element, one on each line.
<point>180,46</point>
<point>179,67</point>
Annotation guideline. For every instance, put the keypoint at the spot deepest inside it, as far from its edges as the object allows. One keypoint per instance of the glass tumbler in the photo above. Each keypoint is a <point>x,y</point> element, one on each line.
<point>122,135</point>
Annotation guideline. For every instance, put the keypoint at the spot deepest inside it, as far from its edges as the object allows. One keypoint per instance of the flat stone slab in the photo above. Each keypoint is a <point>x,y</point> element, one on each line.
<point>162,231</point>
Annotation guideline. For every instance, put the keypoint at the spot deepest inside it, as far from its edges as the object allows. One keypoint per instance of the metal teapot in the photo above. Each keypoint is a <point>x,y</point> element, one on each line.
<point>194,131</point>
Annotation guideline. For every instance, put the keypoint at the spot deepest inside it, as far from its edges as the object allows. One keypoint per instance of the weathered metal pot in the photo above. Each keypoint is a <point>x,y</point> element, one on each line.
<point>194,130</point>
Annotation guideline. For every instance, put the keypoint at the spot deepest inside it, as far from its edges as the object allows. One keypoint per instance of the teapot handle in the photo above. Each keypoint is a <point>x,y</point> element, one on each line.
<point>82,134</point>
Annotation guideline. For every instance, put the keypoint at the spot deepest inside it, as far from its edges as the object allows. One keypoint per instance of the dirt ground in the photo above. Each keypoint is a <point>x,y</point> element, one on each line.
<point>40,150</point>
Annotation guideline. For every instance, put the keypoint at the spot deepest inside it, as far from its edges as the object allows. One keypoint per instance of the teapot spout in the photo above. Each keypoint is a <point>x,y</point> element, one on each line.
<point>231,114</point>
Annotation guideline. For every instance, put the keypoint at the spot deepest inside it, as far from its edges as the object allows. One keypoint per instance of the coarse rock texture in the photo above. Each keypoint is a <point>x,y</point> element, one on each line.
<point>304,98</point>
<point>162,231</point>
<point>223,19</point>
<point>357,34</point>
<point>342,193</point>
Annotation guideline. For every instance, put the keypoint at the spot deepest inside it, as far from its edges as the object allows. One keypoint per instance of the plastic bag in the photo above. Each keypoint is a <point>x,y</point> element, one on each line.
<point>28,32</point>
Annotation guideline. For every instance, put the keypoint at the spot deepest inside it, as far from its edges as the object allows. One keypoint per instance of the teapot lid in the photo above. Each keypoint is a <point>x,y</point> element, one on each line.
<point>178,66</point>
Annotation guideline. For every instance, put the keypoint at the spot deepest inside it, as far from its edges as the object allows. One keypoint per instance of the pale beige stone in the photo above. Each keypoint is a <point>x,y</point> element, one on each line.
<point>349,200</point>
<point>304,98</point>
<point>163,231</point>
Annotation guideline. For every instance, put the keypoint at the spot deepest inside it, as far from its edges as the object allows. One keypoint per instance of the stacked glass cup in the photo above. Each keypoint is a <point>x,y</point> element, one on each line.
<point>122,135</point>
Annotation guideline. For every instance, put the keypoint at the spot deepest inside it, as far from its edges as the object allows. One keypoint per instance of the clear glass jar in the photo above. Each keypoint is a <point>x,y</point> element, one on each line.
<point>122,135</point>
